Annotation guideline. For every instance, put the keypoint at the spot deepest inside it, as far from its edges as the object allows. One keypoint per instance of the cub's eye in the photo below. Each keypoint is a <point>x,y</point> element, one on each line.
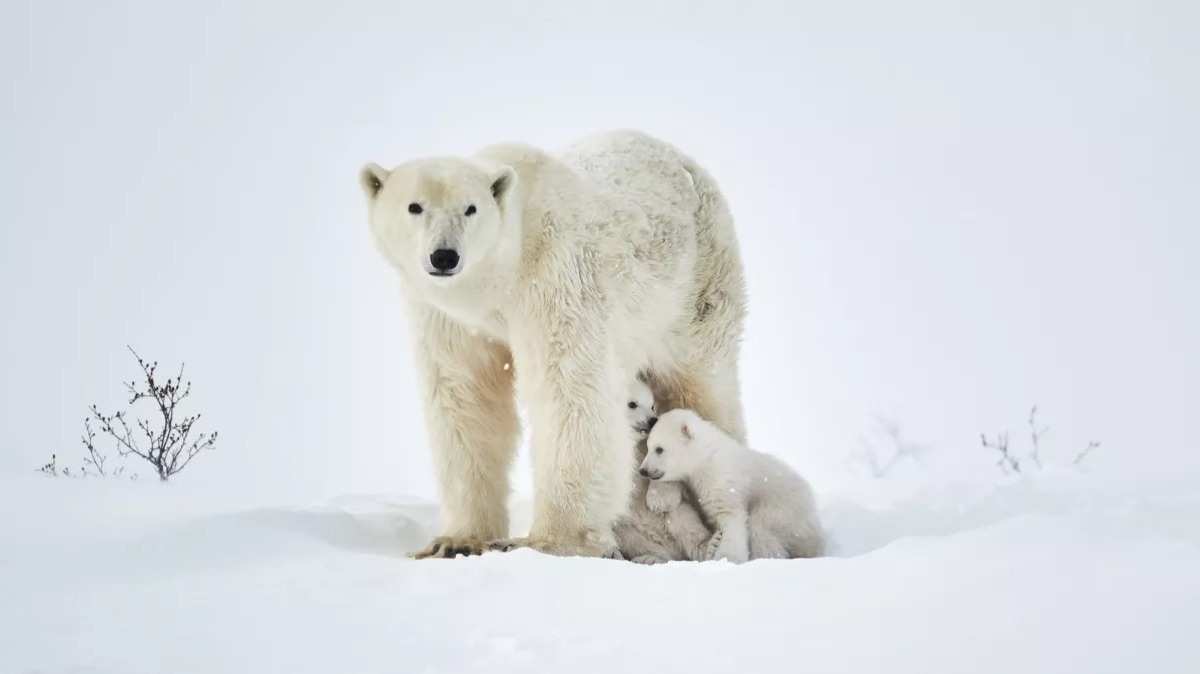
<point>658,450</point>
<point>415,208</point>
<point>632,405</point>
<point>470,210</point>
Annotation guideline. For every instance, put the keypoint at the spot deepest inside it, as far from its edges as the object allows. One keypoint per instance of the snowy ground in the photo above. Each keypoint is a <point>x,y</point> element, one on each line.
<point>1054,574</point>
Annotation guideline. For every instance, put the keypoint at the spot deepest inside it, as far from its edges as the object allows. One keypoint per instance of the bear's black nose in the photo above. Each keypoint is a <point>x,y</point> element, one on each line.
<point>444,259</point>
<point>643,472</point>
<point>650,422</point>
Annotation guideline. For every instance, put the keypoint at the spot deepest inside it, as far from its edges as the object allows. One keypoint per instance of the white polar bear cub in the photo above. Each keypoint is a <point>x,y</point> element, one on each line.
<point>645,535</point>
<point>760,507</point>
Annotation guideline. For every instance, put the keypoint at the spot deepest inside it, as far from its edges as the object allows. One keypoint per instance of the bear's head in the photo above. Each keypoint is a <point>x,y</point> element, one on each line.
<point>439,220</point>
<point>639,406</point>
<point>674,448</point>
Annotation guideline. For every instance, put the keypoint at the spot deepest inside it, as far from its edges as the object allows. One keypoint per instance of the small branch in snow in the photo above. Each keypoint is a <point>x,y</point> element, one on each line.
<point>1007,462</point>
<point>1035,436</point>
<point>1083,453</point>
<point>885,448</point>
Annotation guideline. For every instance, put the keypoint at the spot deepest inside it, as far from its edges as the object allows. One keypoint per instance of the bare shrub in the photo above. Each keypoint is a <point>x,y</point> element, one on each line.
<point>51,467</point>
<point>1011,463</point>
<point>168,440</point>
<point>1007,462</point>
<point>166,443</point>
<point>887,448</point>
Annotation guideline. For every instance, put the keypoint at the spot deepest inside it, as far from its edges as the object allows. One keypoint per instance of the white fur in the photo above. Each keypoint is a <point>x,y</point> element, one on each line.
<point>759,505</point>
<point>674,531</point>
<point>616,256</point>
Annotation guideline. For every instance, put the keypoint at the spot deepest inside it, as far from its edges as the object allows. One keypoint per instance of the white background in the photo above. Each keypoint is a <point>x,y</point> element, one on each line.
<point>947,213</point>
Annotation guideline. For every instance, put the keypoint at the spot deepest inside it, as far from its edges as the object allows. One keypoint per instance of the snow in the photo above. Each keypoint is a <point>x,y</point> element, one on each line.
<point>1058,572</point>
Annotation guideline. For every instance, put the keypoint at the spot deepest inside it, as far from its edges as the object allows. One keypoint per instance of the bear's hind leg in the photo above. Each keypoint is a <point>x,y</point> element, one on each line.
<point>712,392</point>
<point>764,544</point>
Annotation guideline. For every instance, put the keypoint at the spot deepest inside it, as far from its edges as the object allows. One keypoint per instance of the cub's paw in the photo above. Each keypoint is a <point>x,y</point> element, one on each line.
<point>663,497</point>
<point>649,559</point>
<point>447,547</point>
<point>712,548</point>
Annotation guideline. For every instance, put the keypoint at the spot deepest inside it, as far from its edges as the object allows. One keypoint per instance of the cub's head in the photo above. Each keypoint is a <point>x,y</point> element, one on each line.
<point>437,220</point>
<point>672,449</point>
<point>639,406</point>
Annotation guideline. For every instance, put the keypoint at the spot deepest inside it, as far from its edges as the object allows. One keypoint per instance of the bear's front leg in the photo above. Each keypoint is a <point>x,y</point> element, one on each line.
<point>471,417</point>
<point>581,458</point>
<point>581,471</point>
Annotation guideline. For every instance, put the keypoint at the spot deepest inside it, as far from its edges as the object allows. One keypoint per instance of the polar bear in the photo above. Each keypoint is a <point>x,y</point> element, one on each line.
<point>644,535</point>
<point>553,278</point>
<point>758,505</point>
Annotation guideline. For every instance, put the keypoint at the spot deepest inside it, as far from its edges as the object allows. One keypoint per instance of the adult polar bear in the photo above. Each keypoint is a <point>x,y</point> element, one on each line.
<point>615,256</point>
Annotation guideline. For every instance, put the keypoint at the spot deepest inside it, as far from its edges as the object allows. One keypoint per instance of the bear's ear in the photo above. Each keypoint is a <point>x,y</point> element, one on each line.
<point>687,432</point>
<point>371,177</point>
<point>503,180</point>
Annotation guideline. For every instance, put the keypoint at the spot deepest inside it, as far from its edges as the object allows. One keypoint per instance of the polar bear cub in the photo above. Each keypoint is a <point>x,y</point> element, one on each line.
<point>640,408</point>
<point>672,532</point>
<point>759,506</point>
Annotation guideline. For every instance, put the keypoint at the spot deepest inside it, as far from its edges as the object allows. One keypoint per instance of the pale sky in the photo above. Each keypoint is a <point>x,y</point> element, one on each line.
<point>946,217</point>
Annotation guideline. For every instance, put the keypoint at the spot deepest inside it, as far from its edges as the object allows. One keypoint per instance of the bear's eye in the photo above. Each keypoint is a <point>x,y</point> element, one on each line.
<point>470,210</point>
<point>415,208</point>
<point>658,450</point>
<point>632,405</point>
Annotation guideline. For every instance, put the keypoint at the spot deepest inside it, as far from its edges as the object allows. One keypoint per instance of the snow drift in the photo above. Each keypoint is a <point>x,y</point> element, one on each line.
<point>1051,574</point>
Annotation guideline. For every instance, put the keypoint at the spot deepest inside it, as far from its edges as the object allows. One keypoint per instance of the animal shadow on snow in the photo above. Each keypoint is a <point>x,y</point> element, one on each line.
<point>251,536</point>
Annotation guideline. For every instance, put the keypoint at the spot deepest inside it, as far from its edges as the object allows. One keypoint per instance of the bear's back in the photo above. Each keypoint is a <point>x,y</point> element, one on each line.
<point>636,166</point>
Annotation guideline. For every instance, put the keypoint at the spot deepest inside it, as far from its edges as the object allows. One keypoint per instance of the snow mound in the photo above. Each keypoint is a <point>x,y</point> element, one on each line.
<point>1049,575</point>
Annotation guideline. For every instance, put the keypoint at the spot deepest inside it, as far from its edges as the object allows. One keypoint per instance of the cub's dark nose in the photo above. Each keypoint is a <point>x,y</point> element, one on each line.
<point>444,259</point>
<point>643,472</point>
<point>650,422</point>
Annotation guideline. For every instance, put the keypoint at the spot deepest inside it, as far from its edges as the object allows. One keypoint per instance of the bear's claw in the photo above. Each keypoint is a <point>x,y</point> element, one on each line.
<point>448,547</point>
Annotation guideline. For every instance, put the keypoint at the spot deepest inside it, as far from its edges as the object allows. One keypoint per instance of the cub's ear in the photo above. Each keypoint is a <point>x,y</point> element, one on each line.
<point>503,179</point>
<point>687,432</point>
<point>372,177</point>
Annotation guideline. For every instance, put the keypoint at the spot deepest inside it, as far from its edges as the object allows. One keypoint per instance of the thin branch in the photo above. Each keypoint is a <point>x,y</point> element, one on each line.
<point>1007,462</point>
<point>51,467</point>
<point>1035,436</point>
<point>1083,453</point>
<point>95,457</point>
<point>900,449</point>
